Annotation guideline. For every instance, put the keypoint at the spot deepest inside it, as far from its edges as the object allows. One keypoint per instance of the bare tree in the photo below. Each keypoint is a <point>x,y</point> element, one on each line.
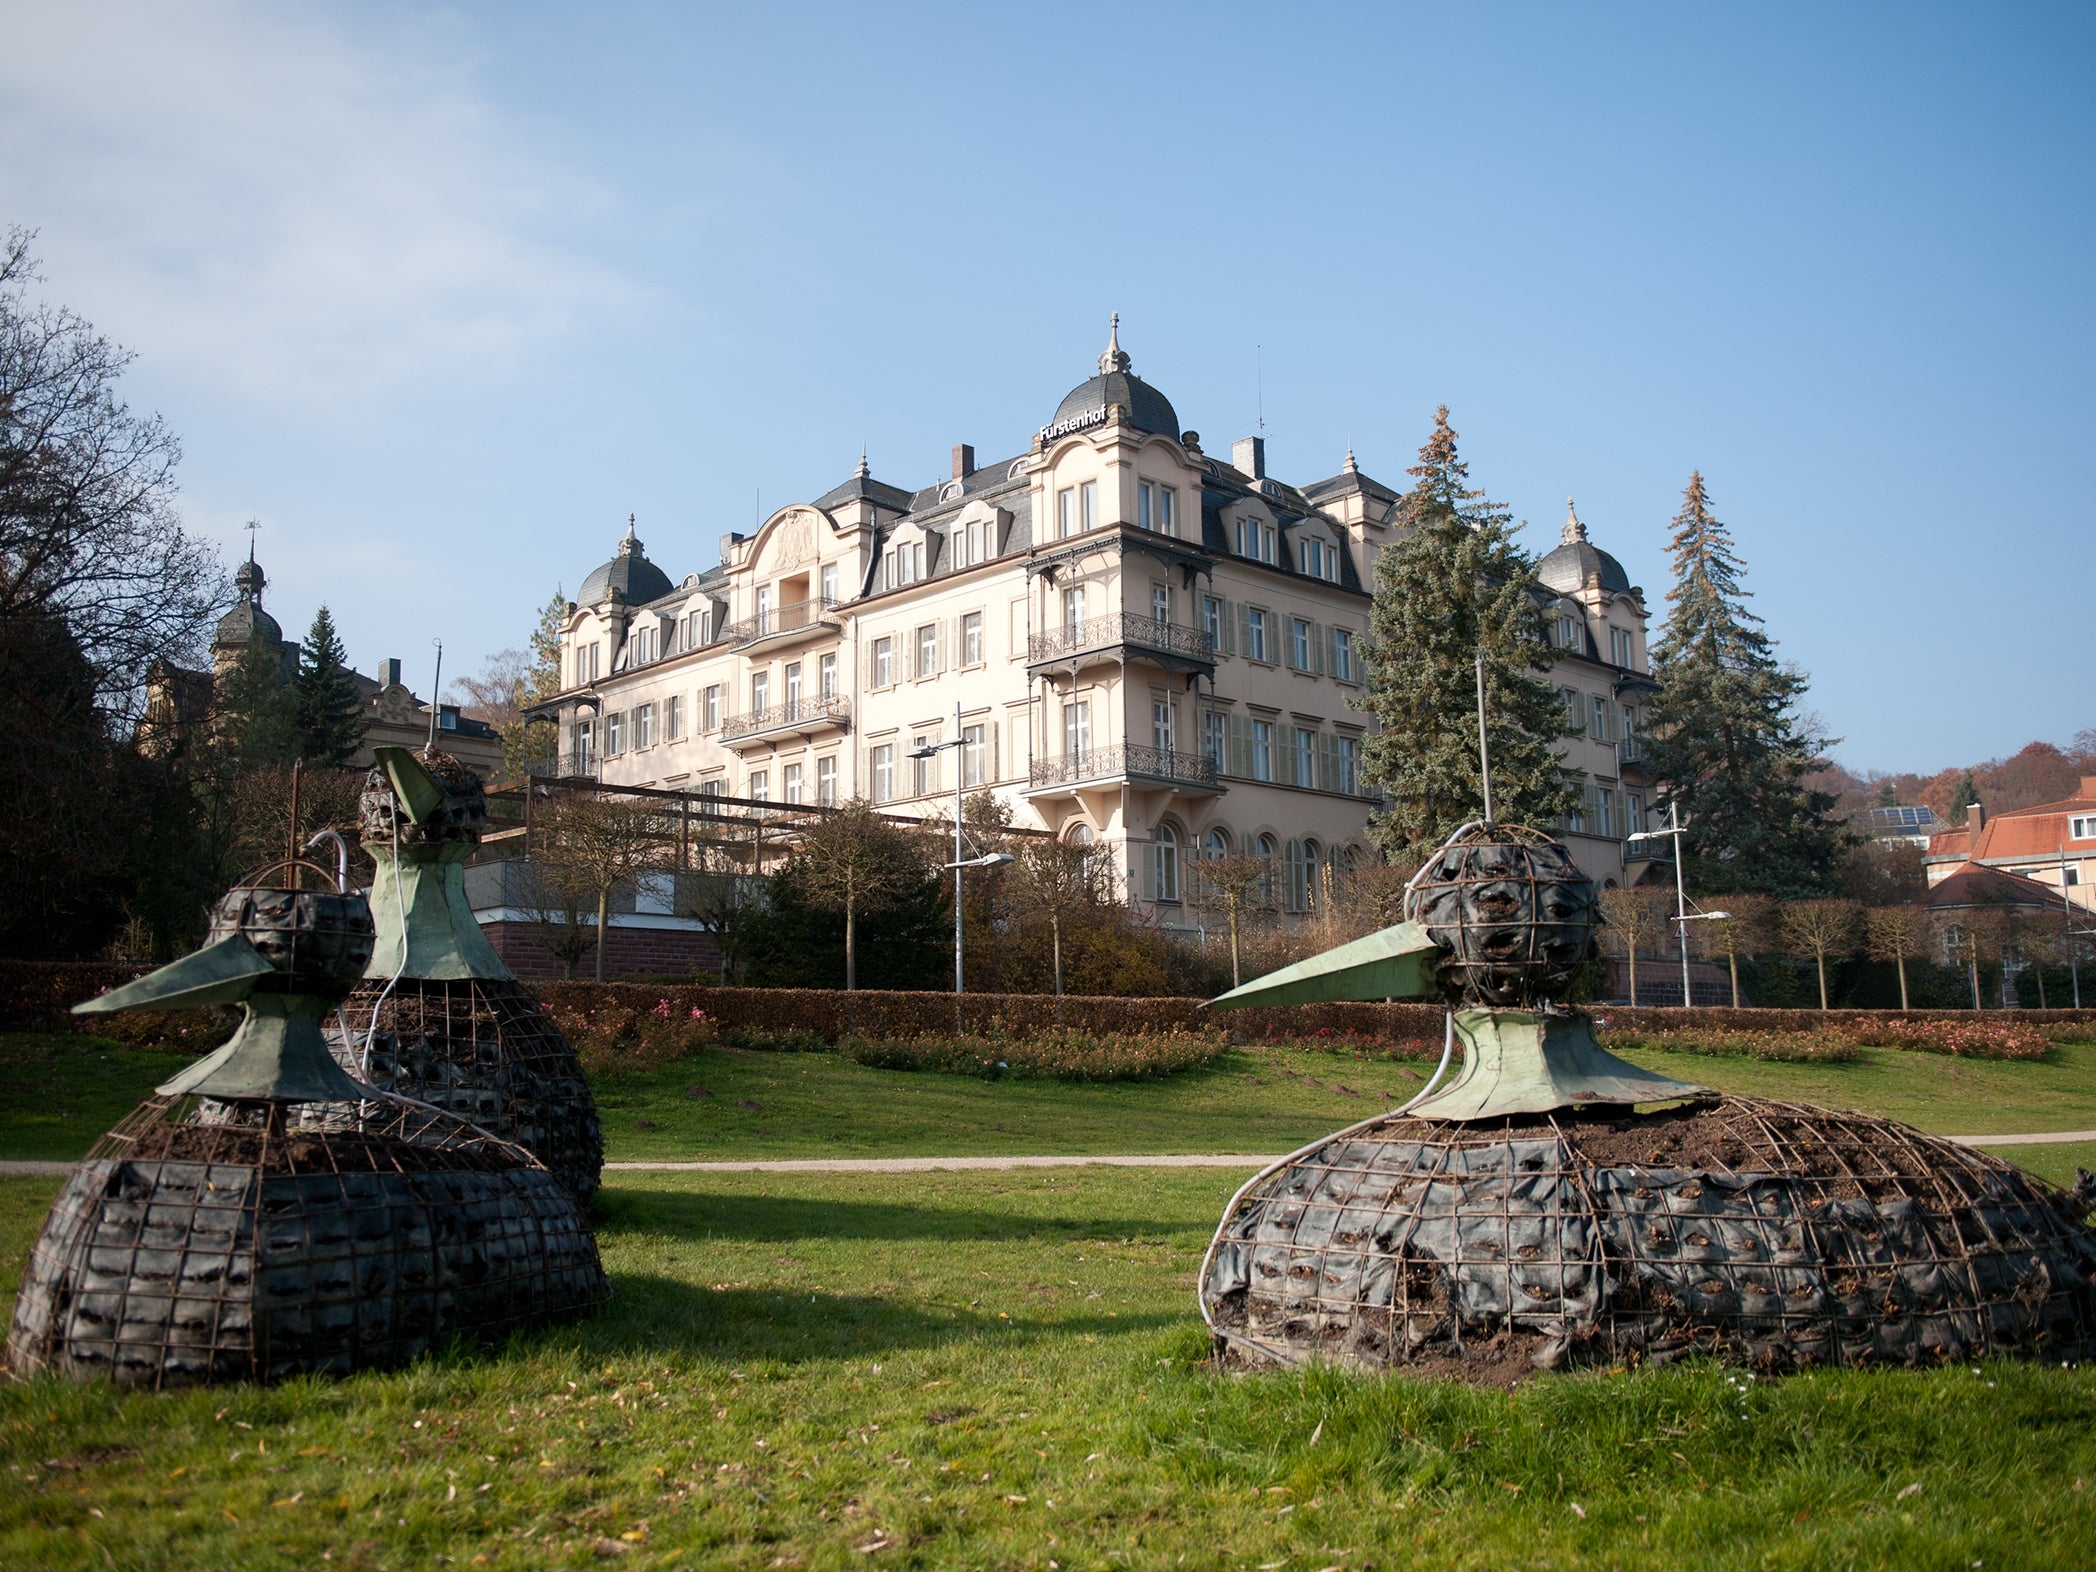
<point>599,842</point>
<point>497,694</point>
<point>1820,929</point>
<point>1634,917</point>
<point>557,900</point>
<point>1237,888</point>
<point>88,528</point>
<point>1056,880</point>
<point>855,862</point>
<point>1749,922</point>
<point>1897,934</point>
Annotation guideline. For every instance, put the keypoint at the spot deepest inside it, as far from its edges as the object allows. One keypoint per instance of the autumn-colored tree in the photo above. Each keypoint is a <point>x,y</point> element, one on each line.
<point>1634,919</point>
<point>597,843</point>
<point>1236,889</point>
<point>1748,924</point>
<point>854,862</point>
<point>1898,934</point>
<point>1819,929</point>
<point>1056,881</point>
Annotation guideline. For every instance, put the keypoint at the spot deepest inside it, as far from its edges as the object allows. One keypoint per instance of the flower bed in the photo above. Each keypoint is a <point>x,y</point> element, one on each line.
<point>1820,1047</point>
<point>1964,1038</point>
<point>1060,1056</point>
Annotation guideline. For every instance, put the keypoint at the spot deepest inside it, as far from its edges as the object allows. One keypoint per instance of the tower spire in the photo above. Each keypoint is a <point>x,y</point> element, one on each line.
<point>1574,532</point>
<point>1115,358</point>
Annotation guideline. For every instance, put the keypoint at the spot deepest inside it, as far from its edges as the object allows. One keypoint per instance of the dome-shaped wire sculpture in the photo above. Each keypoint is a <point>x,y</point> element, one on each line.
<point>1764,1233</point>
<point>438,1017</point>
<point>265,1214</point>
<point>1512,912</point>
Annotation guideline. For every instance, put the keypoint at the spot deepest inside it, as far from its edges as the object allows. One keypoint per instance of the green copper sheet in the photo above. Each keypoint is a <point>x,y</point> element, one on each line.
<point>1395,963</point>
<point>221,973</point>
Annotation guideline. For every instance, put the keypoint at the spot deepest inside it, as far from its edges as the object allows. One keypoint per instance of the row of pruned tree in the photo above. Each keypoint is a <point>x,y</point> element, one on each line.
<point>1642,926</point>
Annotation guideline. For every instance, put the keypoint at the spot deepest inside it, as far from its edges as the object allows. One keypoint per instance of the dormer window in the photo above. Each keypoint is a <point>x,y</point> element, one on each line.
<point>2082,827</point>
<point>903,564</point>
<point>1564,632</point>
<point>1255,540</point>
<point>1621,647</point>
<point>1320,559</point>
<point>1156,508</point>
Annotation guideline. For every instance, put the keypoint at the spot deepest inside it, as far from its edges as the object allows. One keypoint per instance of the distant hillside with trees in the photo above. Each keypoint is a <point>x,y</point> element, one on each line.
<point>2037,772</point>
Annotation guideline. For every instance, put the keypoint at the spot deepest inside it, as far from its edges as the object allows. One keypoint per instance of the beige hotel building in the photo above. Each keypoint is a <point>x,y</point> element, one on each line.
<point>1141,645</point>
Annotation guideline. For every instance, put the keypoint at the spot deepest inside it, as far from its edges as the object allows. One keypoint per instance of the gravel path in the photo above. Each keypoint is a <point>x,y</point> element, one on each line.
<point>919,1165</point>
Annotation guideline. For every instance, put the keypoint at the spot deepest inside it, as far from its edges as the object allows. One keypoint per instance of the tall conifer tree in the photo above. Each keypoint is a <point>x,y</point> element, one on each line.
<point>1454,585</point>
<point>324,695</point>
<point>1727,741</point>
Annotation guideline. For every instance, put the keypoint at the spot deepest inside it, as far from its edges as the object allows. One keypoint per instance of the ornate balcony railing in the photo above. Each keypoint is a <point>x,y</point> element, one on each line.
<point>830,710</point>
<point>1631,750</point>
<point>796,618</point>
<point>1102,764</point>
<point>566,766</point>
<point>1120,628</point>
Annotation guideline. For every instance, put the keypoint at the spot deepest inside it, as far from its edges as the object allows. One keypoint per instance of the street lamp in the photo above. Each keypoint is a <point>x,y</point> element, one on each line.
<point>1682,915</point>
<point>932,750</point>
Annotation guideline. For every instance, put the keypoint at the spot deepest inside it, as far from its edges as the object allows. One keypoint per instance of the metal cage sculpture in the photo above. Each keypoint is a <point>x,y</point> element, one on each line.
<point>266,1214</point>
<point>438,1016</point>
<point>1557,1206</point>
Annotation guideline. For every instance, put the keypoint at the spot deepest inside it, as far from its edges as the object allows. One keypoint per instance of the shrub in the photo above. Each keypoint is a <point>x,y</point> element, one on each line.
<point>1057,1055</point>
<point>627,1036</point>
<point>1814,1047</point>
<point>1971,1038</point>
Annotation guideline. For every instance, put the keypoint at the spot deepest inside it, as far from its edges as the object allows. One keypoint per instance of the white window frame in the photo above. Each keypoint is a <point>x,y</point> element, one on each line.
<point>1164,855</point>
<point>614,733</point>
<point>975,756</point>
<point>884,661</point>
<point>790,784</point>
<point>1262,750</point>
<point>2082,827</point>
<point>712,712</point>
<point>673,718</point>
<point>643,726</point>
<point>1088,504</point>
<point>883,772</point>
<point>1066,512</point>
<point>972,638</point>
<point>826,782</point>
<point>927,650</point>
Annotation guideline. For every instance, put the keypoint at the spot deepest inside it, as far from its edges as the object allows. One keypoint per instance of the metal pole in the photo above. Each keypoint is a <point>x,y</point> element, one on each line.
<point>1484,750</point>
<point>1680,901</point>
<point>959,755</point>
<point>2067,929</point>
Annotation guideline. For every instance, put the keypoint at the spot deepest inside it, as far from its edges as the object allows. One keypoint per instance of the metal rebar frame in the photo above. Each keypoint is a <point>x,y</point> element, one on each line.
<point>205,1241</point>
<point>486,1051</point>
<point>1774,1236</point>
<point>1511,909</point>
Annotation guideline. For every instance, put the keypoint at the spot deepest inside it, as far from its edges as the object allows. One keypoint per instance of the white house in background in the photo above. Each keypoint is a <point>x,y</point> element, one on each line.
<point>1146,646</point>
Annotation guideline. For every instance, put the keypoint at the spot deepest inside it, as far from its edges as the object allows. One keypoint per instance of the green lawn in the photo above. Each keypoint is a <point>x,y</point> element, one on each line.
<point>960,1370</point>
<point>58,1093</point>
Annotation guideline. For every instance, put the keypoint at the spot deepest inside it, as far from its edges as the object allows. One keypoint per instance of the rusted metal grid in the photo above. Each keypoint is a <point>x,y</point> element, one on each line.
<point>1762,1233</point>
<point>1512,910</point>
<point>485,1050</point>
<point>253,1246</point>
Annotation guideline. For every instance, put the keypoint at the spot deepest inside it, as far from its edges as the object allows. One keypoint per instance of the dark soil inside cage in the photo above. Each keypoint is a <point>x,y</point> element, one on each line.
<point>303,1152</point>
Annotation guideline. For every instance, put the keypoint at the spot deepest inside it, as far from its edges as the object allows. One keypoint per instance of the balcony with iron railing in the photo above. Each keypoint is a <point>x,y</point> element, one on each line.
<point>1123,636</point>
<point>781,625</point>
<point>1125,761</point>
<point>803,717</point>
<point>1632,751</point>
<point>566,766</point>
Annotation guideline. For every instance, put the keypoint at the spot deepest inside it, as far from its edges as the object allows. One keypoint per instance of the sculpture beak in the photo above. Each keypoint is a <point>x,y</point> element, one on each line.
<point>418,790</point>
<point>1397,962</point>
<point>221,973</point>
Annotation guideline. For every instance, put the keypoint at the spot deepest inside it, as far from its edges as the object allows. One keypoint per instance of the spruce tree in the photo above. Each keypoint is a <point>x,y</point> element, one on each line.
<point>1727,741</point>
<point>1454,585</point>
<point>328,707</point>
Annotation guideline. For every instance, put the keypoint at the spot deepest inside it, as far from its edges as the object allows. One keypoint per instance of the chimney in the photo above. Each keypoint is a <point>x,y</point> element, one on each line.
<point>1248,455</point>
<point>389,674</point>
<point>963,460</point>
<point>1975,821</point>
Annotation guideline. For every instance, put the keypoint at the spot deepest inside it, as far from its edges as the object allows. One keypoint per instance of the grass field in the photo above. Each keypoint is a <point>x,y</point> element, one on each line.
<point>58,1093</point>
<point>1005,1369</point>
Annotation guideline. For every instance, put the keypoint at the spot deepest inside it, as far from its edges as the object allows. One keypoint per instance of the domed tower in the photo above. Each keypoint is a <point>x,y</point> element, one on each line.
<point>630,575</point>
<point>1577,562</point>
<point>248,624</point>
<point>1114,387</point>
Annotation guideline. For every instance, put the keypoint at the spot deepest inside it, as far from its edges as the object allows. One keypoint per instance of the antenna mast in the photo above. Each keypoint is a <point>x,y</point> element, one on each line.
<point>436,698</point>
<point>1484,749</point>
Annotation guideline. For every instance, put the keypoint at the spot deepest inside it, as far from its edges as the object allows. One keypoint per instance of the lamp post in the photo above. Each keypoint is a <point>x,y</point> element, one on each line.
<point>932,750</point>
<point>2067,920</point>
<point>1682,915</point>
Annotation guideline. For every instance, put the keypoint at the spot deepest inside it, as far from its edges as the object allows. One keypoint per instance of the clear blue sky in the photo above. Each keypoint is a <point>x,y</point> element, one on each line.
<point>442,294</point>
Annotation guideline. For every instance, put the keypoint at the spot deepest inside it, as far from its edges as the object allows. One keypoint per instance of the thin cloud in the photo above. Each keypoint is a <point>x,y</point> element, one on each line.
<point>261,201</point>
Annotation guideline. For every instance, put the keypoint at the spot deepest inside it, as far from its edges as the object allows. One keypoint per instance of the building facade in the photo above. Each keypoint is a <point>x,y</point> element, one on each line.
<point>1135,643</point>
<point>2051,844</point>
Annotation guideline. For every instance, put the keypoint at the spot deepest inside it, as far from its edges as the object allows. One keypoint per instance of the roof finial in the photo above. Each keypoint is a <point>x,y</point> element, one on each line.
<point>862,472</point>
<point>631,546</point>
<point>1115,358</point>
<point>1351,467</point>
<point>1574,532</point>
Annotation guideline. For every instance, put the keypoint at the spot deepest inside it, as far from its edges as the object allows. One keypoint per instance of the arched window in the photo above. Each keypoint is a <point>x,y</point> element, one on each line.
<point>1164,861</point>
<point>1313,869</point>
<point>1292,875</point>
<point>1270,849</point>
<point>1080,834</point>
<point>1218,843</point>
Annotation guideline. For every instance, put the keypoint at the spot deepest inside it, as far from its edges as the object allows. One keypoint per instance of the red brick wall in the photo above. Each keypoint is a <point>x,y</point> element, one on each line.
<point>628,952</point>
